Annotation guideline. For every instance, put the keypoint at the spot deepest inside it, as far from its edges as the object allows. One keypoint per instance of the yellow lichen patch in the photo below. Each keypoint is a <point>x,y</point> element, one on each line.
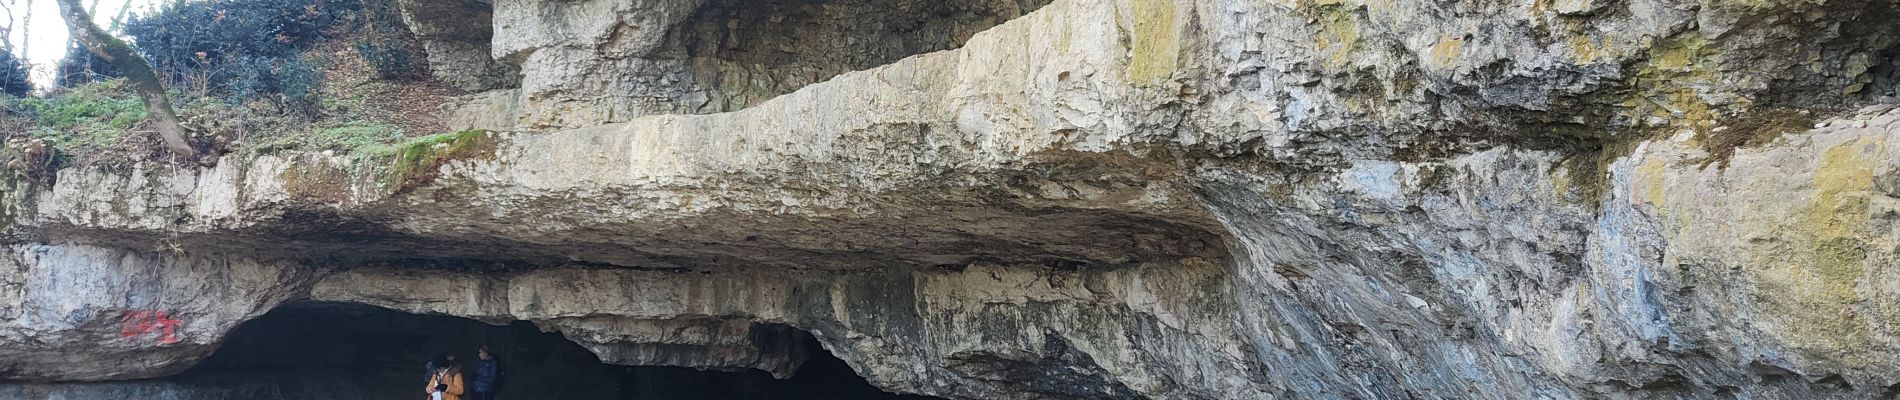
<point>1680,54</point>
<point>1665,83</point>
<point>1336,35</point>
<point>1539,7</point>
<point>1649,181</point>
<point>1156,43</point>
<point>1686,106</point>
<point>1684,218</point>
<point>1559,183</point>
<point>1584,49</point>
<point>1843,184</point>
<point>1811,279</point>
<point>1445,51</point>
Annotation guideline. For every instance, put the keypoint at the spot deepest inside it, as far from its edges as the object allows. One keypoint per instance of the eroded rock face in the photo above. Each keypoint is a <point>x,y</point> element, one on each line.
<point>590,62</point>
<point>77,312</point>
<point>1099,199</point>
<point>456,35</point>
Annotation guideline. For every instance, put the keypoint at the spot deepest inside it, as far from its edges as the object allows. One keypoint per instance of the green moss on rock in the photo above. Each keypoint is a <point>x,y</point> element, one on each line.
<point>416,162</point>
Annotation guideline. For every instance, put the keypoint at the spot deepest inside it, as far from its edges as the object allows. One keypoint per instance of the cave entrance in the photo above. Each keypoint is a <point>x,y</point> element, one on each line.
<point>344,351</point>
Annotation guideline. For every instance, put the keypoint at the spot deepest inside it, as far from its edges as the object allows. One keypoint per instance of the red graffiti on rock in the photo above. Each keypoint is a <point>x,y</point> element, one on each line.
<point>143,323</point>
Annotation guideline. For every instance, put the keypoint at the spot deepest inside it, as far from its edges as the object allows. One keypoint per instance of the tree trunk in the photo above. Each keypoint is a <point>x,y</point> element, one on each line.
<point>136,70</point>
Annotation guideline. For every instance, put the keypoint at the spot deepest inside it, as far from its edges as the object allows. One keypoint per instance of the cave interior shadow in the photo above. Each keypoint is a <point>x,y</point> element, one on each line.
<point>311,350</point>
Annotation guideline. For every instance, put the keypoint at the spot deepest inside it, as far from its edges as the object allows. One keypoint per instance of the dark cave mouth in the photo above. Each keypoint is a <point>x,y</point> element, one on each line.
<point>347,351</point>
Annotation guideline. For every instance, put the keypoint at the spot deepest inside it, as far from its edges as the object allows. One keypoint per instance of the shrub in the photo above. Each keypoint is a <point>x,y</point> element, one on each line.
<point>385,43</point>
<point>390,62</point>
<point>300,82</point>
<point>223,38</point>
<point>13,75</point>
<point>295,79</point>
<point>250,49</point>
<point>80,67</point>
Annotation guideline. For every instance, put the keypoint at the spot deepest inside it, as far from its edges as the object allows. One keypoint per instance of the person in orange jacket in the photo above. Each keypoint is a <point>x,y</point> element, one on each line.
<point>446,382</point>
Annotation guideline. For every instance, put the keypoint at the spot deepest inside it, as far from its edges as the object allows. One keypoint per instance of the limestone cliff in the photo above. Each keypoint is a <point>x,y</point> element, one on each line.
<point>997,199</point>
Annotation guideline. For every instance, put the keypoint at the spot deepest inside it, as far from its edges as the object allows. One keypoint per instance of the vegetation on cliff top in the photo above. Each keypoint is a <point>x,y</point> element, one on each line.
<point>265,76</point>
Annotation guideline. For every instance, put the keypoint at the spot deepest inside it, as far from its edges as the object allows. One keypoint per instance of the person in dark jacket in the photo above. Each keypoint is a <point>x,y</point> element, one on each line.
<point>487,375</point>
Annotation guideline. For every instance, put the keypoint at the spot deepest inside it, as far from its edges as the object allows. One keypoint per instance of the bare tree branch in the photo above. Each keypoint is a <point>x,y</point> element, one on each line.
<point>6,32</point>
<point>125,10</point>
<point>26,35</point>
